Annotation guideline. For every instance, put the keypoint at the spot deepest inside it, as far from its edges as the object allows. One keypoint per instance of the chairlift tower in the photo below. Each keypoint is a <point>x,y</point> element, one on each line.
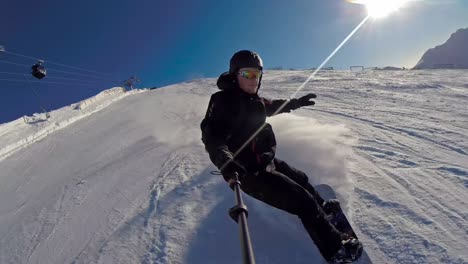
<point>130,82</point>
<point>2,50</point>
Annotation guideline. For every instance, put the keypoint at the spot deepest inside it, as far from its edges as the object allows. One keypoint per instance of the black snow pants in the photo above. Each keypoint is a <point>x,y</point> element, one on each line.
<point>288,189</point>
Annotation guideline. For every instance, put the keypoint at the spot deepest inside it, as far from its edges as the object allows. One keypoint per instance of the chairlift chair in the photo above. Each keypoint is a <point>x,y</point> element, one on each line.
<point>38,70</point>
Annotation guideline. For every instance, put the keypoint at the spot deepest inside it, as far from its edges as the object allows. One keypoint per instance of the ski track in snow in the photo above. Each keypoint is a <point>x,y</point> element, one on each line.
<point>127,180</point>
<point>395,156</point>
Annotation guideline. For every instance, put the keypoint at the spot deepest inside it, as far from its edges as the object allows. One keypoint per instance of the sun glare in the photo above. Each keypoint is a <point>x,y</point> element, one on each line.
<point>380,8</point>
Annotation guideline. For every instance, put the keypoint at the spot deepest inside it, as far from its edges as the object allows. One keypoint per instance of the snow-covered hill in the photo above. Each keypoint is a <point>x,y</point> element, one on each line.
<point>27,130</point>
<point>126,179</point>
<point>453,54</point>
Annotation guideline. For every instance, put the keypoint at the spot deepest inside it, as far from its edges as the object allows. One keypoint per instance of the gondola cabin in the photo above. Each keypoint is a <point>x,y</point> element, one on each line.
<point>38,70</point>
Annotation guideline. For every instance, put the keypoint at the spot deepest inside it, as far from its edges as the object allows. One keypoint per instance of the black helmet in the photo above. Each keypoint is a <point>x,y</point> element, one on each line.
<point>245,59</point>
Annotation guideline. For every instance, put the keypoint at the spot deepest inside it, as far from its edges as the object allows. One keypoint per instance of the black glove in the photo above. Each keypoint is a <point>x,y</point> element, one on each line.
<point>305,100</point>
<point>231,168</point>
<point>265,158</point>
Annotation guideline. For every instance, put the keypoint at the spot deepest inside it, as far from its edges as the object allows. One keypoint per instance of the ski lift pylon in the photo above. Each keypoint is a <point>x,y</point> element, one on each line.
<point>38,70</point>
<point>131,82</point>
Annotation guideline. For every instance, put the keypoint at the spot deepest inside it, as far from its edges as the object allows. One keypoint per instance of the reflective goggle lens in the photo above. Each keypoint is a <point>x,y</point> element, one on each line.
<point>251,74</point>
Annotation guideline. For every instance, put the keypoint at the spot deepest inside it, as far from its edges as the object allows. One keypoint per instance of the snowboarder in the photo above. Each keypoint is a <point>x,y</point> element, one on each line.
<point>235,114</point>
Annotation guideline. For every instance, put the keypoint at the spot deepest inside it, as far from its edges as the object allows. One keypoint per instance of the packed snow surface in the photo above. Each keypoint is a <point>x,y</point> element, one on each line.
<point>123,177</point>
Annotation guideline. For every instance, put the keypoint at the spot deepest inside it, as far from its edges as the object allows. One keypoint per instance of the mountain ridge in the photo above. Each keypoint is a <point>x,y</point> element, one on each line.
<point>453,54</point>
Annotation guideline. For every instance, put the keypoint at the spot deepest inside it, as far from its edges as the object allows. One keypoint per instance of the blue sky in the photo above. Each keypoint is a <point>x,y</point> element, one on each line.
<point>165,42</point>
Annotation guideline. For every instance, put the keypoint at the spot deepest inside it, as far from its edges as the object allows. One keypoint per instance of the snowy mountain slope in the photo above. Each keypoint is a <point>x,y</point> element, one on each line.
<point>27,130</point>
<point>452,54</point>
<point>131,183</point>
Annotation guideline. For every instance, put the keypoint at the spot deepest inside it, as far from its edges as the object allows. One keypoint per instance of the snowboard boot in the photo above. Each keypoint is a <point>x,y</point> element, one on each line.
<point>349,252</point>
<point>331,207</point>
<point>336,217</point>
<point>333,211</point>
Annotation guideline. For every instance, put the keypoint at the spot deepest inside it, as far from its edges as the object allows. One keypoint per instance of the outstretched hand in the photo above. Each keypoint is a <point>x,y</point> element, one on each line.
<point>231,168</point>
<point>305,100</point>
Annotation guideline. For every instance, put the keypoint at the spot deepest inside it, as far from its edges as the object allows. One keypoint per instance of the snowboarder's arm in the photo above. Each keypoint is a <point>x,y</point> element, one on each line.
<point>272,106</point>
<point>217,130</point>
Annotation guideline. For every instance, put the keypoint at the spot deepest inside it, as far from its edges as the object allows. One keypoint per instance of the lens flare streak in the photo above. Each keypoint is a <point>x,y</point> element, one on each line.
<point>299,89</point>
<point>327,59</point>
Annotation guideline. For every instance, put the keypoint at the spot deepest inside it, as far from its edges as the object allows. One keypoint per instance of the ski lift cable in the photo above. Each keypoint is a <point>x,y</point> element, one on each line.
<point>74,73</point>
<point>12,73</point>
<point>60,78</point>
<point>15,80</point>
<point>56,63</point>
<point>71,79</point>
<point>81,74</point>
<point>15,63</point>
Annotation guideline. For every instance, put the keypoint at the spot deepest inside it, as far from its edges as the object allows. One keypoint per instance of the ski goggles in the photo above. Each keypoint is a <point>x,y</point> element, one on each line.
<point>250,74</point>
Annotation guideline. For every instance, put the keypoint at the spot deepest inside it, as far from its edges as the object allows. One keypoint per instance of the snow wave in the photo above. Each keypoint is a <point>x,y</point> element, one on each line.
<point>317,149</point>
<point>98,99</point>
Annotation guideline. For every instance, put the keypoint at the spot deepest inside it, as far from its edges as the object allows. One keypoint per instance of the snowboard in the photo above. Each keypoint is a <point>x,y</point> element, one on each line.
<point>339,220</point>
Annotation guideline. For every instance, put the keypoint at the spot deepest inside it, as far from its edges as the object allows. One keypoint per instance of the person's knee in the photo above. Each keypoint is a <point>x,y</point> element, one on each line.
<point>299,177</point>
<point>305,203</point>
<point>293,173</point>
<point>302,178</point>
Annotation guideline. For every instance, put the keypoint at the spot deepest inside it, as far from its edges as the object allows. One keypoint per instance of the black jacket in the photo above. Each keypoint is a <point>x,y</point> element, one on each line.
<point>232,118</point>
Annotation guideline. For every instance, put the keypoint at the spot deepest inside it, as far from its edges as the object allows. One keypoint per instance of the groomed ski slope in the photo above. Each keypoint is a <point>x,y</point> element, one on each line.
<point>126,178</point>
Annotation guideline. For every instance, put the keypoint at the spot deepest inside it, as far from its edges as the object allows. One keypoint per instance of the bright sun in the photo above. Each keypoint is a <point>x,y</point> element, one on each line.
<point>380,8</point>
